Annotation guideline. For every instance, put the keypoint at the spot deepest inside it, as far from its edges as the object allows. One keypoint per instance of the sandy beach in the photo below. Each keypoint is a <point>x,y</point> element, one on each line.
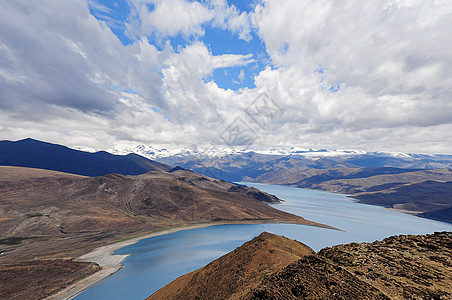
<point>111,263</point>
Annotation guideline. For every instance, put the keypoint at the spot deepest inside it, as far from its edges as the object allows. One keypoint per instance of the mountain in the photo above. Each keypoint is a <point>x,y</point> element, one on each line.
<point>399,267</point>
<point>427,193</point>
<point>246,165</point>
<point>407,182</point>
<point>45,208</point>
<point>36,154</point>
<point>443,214</point>
<point>48,218</point>
<point>238,272</point>
<point>429,199</point>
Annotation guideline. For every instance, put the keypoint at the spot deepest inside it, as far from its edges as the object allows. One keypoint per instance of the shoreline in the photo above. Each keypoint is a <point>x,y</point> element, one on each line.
<point>111,263</point>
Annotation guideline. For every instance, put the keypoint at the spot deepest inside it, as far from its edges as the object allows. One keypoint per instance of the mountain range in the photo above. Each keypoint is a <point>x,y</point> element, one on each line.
<point>251,165</point>
<point>59,203</point>
<point>48,218</point>
<point>416,183</point>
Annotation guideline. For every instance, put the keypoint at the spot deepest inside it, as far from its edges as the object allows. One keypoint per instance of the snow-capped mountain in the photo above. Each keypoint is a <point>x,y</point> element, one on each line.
<point>221,151</point>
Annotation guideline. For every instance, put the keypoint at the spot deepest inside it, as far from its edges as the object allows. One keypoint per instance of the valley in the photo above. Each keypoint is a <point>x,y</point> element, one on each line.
<point>53,217</point>
<point>417,184</point>
<point>67,224</point>
<point>225,149</point>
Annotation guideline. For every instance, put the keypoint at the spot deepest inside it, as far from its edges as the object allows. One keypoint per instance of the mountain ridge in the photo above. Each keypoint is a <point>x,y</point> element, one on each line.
<point>44,203</point>
<point>42,155</point>
<point>398,267</point>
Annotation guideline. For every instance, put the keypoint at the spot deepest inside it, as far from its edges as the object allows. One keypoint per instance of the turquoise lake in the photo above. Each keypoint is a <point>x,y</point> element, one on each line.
<point>156,261</point>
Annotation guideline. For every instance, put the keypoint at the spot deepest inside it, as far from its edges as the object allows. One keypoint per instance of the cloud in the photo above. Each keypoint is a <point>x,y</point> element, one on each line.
<point>45,61</point>
<point>391,58</point>
<point>370,75</point>
<point>192,96</point>
<point>68,63</point>
<point>67,78</point>
<point>241,75</point>
<point>167,18</point>
<point>229,17</point>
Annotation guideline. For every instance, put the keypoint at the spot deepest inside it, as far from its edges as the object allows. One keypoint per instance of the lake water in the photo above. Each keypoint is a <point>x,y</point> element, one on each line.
<point>156,261</point>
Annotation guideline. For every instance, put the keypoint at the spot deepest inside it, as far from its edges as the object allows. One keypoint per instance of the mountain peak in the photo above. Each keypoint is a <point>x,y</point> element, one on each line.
<point>42,155</point>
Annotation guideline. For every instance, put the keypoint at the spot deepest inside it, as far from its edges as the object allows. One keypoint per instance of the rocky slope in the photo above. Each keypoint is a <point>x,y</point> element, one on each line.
<point>399,267</point>
<point>238,272</point>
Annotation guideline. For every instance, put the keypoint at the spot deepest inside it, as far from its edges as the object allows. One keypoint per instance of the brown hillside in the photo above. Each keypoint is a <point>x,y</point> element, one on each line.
<point>238,272</point>
<point>37,279</point>
<point>399,267</point>
<point>47,207</point>
<point>49,216</point>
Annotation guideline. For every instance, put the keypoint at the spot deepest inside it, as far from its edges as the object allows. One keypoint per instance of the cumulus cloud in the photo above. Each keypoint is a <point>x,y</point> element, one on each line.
<point>193,98</point>
<point>65,77</point>
<point>58,60</point>
<point>166,18</point>
<point>344,67</point>
<point>371,75</point>
<point>229,17</point>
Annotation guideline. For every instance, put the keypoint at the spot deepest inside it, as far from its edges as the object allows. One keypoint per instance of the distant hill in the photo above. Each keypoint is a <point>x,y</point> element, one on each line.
<point>415,183</point>
<point>37,154</point>
<point>433,198</point>
<point>443,215</point>
<point>427,193</point>
<point>253,166</point>
<point>399,267</point>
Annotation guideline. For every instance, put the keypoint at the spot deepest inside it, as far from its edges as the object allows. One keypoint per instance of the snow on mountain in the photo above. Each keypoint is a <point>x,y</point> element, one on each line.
<point>221,151</point>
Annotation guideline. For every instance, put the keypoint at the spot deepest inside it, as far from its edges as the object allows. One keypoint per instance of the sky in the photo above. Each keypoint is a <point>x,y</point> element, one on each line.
<point>368,75</point>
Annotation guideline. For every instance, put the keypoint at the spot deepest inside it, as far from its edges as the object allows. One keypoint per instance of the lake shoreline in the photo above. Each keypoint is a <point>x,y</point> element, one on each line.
<point>354,231</point>
<point>111,263</point>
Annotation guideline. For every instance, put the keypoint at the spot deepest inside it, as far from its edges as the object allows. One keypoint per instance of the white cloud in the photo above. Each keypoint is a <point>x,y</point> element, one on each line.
<point>241,75</point>
<point>62,77</point>
<point>192,97</point>
<point>382,81</point>
<point>229,17</point>
<point>392,61</point>
<point>167,18</point>
<point>66,78</point>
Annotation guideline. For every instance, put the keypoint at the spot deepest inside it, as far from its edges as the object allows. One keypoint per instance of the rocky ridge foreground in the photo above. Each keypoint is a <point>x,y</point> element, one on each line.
<point>236,273</point>
<point>399,267</point>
